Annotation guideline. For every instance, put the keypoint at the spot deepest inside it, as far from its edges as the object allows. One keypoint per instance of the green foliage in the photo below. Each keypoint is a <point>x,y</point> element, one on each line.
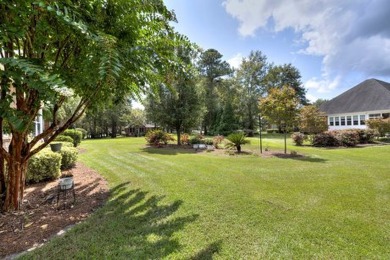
<point>158,137</point>
<point>178,104</point>
<point>63,138</point>
<point>382,126</point>
<point>44,165</point>
<point>298,138</point>
<point>83,132</point>
<point>197,139</point>
<point>251,74</point>
<point>66,144</point>
<point>287,74</point>
<point>236,140</point>
<point>75,135</point>
<point>69,157</point>
<point>208,141</point>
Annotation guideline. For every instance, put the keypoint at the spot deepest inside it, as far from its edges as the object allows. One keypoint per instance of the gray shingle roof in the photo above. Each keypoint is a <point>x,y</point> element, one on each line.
<point>370,95</point>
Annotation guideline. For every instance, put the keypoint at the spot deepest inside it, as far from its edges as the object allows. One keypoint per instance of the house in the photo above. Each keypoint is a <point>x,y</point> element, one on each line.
<point>367,100</point>
<point>138,130</point>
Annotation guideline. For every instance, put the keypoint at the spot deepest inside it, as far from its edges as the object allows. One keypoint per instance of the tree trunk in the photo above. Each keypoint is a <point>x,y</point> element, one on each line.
<point>16,172</point>
<point>178,136</point>
<point>238,148</point>
<point>113,129</point>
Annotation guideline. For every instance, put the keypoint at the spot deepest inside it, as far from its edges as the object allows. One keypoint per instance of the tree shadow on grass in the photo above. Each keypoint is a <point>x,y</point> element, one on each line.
<point>170,150</point>
<point>208,252</point>
<point>299,157</point>
<point>132,225</point>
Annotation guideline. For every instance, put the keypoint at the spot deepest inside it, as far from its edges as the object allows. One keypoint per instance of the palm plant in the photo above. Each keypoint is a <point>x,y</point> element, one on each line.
<point>236,140</point>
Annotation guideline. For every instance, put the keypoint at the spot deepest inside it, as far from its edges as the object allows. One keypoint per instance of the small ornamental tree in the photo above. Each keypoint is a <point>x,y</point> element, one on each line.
<point>312,120</point>
<point>280,107</point>
<point>380,125</point>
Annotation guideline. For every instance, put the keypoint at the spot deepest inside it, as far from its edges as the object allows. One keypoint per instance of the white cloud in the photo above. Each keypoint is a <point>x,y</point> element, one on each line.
<point>236,60</point>
<point>322,85</point>
<point>352,36</point>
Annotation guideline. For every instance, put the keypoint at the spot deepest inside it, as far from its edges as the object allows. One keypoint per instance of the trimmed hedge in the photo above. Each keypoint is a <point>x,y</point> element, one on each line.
<point>44,165</point>
<point>69,157</point>
<point>84,132</point>
<point>75,135</point>
<point>64,138</point>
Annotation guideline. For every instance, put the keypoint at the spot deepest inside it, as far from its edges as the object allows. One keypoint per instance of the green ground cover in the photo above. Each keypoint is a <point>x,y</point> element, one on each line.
<point>177,204</point>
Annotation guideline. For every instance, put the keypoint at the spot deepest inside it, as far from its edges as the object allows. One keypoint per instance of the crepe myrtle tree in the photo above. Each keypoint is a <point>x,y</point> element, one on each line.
<point>51,50</point>
<point>280,107</point>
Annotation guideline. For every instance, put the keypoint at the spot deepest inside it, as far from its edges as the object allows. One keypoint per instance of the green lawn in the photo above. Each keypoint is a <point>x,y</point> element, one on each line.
<point>176,204</point>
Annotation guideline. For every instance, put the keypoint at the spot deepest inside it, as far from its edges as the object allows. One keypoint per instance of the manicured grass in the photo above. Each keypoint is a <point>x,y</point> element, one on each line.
<point>177,204</point>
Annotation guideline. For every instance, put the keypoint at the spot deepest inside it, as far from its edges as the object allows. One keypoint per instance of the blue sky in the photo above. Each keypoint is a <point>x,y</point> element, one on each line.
<point>334,44</point>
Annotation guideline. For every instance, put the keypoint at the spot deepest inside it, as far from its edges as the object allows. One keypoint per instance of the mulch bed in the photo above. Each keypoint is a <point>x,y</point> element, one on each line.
<point>40,218</point>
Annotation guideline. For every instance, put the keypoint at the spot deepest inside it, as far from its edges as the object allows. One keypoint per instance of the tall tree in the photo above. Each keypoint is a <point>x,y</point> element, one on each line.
<point>178,104</point>
<point>283,75</point>
<point>250,76</point>
<point>211,68</point>
<point>51,50</point>
<point>280,107</point>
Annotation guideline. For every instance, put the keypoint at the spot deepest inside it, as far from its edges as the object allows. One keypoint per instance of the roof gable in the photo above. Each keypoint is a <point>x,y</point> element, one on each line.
<point>370,95</point>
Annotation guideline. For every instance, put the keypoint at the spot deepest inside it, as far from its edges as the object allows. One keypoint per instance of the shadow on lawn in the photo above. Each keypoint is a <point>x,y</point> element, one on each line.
<point>146,223</point>
<point>170,150</point>
<point>299,158</point>
<point>132,225</point>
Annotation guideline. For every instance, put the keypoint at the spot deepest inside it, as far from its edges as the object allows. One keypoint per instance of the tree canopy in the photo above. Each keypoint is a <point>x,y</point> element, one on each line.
<point>52,50</point>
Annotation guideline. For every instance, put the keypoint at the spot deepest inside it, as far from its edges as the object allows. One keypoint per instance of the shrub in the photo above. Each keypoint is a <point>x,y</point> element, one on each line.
<point>44,165</point>
<point>158,137</point>
<point>325,139</point>
<point>208,141</point>
<point>63,138</point>
<point>347,137</point>
<point>196,139</point>
<point>69,157</point>
<point>76,136</point>
<point>66,144</point>
<point>382,126</point>
<point>236,140</point>
<point>217,141</point>
<point>184,139</point>
<point>298,138</point>
<point>366,135</point>
<point>84,132</point>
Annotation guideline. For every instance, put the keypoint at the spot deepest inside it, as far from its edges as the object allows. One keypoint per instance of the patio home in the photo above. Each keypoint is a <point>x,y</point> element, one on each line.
<point>367,100</point>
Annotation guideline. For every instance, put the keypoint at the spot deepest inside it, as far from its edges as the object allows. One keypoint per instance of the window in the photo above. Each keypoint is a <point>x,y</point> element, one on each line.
<point>349,120</point>
<point>342,119</point>
<point>331,122</point>
<point>385,115</point>
<point>362,119</point>
<point>374,116</point>
<point>355,120</point>
<point>336,119</point>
